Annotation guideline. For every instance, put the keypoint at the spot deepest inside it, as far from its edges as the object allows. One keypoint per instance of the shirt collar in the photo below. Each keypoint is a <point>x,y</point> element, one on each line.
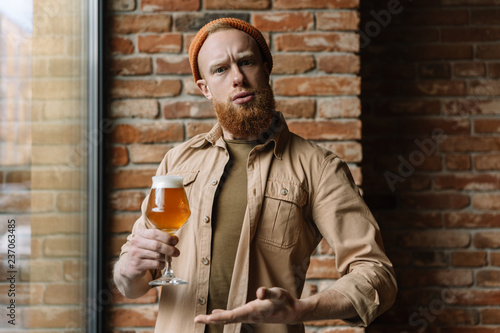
<point>277,133</point>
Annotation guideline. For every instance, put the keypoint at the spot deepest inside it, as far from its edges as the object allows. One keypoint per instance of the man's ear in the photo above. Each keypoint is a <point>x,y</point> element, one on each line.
<point>203,86</point>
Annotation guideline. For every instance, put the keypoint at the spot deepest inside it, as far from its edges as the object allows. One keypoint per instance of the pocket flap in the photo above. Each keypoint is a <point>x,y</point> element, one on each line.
<point>287,191</point>
<point>187,176</point>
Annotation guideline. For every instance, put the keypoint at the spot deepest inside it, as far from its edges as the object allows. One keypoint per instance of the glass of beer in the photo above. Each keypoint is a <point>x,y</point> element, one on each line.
<point>168,209</point>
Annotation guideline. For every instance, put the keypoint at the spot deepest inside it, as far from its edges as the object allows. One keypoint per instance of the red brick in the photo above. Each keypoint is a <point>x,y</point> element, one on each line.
<point>484,88</point>
<point>489,201</point>
<point>188,109</point>
<point>495,259</point>
<point>468,259</point>
<point>121,45</point>
<point>478,182</point>
<point>145,88</point>
<point>450,200</point>
<point>339,63</point>
<point>324,248</point>
<point>133,316</point>
<point>470,34</point>
<point>156,132</point>
<point>473,297</point>
<point>170,42</point>
<point>485,125</point>
<point>315,4</point>
<point>169,5</point>
<point>146,153</point>
<point>341,107</point>
<point>150,297</point>
<point>435,71</point>
<point>296,107</point>
<point>63,293</point>
<point>469,69</point>
<point>327,130</point>
<point>326,41</point>
<point>292,63</point>
<point>435,239</point>
<point>322,268</point>
<point>51,317</point>
<point>317,86</point>
<point>488,278</point>
<point>126,200</point>
<point>429,259</point>
<point>122,222</point>
<point>488,51</point>
<point>472,220</point>
<point>434,88</point>
<point>466,144</point>
<point>191,88</point>
<point>121,5</point>
<point>289,21</point>
<point>466,107</point>
<point>455,316</point>
<point>337,20</point>
<point>132,178</point>
<point>487,162</point>
<point>130,66</point>
<point>490,316</point>
<point>173,64</point>
<point>133,24</point>
<point>485,240</point>
<point>237,4</point>
<point>194,128</point>
<point>438,52</point>
<point>436,277</point>
<point>494,70</point>
<point>458,162</point>
<point>488,16</point>
<point>134,108</point>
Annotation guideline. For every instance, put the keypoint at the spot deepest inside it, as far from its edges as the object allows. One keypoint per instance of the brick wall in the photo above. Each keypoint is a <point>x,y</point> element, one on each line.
<point>42,168</point>
<point>155,103</point>
<point>431,125</point>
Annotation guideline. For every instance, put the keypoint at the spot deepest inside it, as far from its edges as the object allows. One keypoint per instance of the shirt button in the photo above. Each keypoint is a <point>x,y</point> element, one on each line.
<point>204,261</point>
<point>206,219</point>
<point>202,301</point>
<point>284,191</point>
<point>214,182</point>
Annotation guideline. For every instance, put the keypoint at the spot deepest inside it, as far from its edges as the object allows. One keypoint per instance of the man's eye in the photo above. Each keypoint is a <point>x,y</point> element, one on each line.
<point>246,62</point>
<point>219,70</point>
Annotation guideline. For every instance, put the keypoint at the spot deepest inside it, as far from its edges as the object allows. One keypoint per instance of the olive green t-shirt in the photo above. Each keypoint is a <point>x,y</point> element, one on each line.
<point>227,219</point>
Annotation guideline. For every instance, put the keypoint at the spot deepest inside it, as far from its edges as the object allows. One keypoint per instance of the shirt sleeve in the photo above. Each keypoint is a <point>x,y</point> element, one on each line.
<point>367,276</point>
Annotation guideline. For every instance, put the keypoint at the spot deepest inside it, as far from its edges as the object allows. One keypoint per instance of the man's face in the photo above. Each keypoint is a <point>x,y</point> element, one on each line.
<point>237,81</point>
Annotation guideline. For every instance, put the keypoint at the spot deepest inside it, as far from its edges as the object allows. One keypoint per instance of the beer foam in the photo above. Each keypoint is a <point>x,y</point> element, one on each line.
<point>167,181</point>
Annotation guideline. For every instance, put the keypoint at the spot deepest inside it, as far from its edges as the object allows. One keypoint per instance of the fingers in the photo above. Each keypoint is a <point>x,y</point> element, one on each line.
<point>148,250</point>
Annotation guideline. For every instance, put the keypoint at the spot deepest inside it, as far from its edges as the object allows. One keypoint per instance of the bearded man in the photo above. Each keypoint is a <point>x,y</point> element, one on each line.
<point>261,198</point>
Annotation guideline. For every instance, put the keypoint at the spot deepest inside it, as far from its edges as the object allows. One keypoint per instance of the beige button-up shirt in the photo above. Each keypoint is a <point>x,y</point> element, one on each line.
<point>297,194</point>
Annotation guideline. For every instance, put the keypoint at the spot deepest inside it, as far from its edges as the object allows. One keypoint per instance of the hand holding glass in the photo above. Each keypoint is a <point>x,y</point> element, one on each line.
<point>168,209</point>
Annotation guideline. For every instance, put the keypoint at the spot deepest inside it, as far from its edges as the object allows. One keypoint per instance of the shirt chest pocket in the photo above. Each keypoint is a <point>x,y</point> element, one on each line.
<point>281,219</point>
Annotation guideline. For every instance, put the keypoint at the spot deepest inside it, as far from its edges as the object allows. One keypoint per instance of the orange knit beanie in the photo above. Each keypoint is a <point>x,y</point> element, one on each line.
<point>202,35</point>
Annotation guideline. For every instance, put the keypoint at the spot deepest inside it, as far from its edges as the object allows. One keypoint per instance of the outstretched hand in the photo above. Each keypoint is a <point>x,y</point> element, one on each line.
<point>273,305</point>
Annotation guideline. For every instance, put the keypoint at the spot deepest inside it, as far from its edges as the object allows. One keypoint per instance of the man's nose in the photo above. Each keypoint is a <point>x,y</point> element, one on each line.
<point>238,77</point>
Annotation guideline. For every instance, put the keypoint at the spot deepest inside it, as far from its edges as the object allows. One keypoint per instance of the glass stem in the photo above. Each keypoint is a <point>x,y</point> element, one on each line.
<point>169,271</point>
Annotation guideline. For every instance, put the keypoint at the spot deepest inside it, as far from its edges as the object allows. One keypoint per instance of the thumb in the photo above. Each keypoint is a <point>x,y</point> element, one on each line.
<point>268,293</point>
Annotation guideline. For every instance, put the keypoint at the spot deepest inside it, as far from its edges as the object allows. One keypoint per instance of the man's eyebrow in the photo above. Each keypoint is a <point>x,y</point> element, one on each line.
<point>218,62</point>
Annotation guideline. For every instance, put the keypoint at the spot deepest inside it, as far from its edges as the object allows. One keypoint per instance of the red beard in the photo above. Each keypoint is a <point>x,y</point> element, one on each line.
<point>249,119</point>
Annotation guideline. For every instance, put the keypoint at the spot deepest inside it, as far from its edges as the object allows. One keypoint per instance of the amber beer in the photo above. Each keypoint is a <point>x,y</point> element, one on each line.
<point>168,206</point>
